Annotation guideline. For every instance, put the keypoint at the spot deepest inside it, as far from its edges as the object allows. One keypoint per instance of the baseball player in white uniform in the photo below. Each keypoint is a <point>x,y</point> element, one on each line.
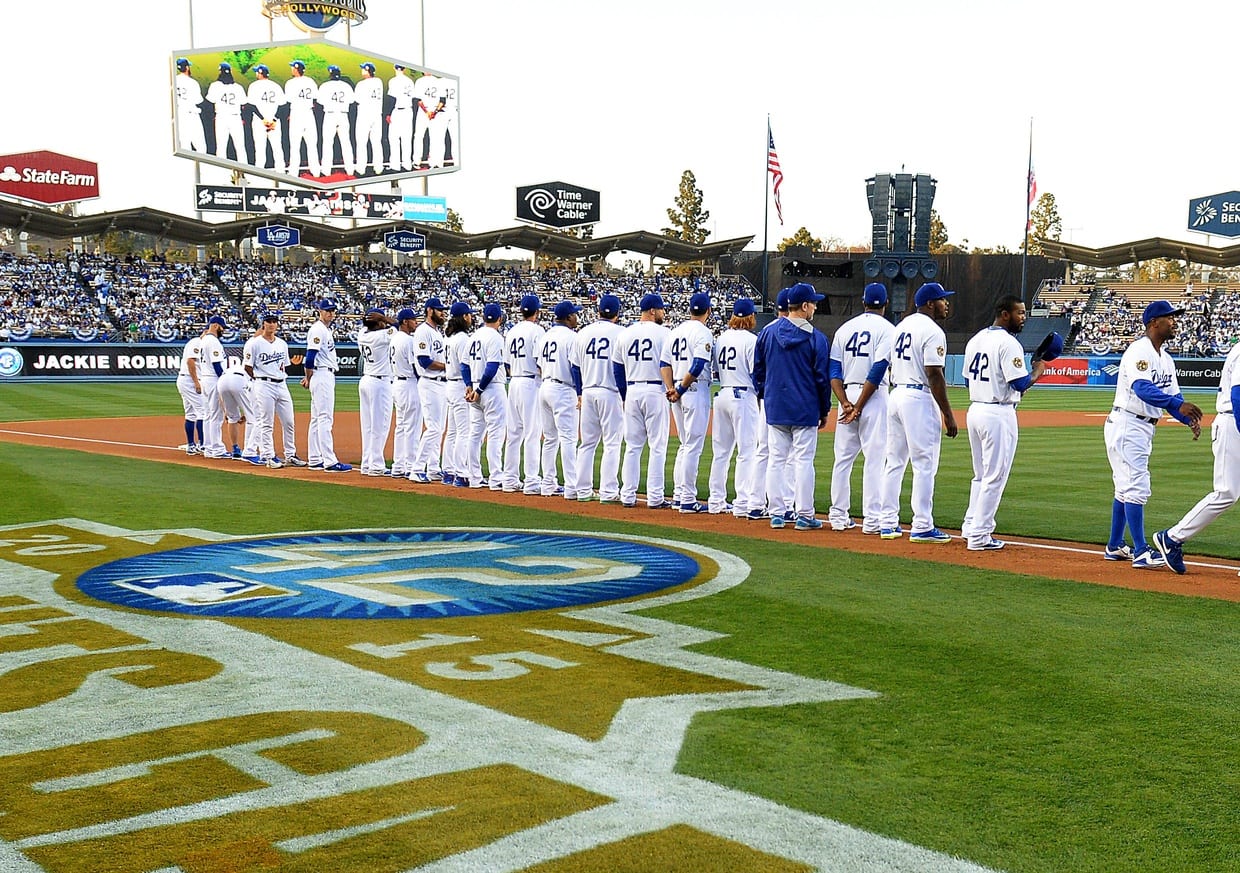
<point>1147,385</point>
<point>860,356</point>
<point>524,427</point>
<point>234,391</point>
<point>456,436</point>
<point>266,361</point>
<point>559,399</point>
<point>266,97</point>
<point>994,367</point>
<point>637,360</point>
<point>300,91</point>
<point>1225,438</point>
<point>762,447</point>
<point>321,365</point>
<point>428,347</point>
<point>690,349</point>
<point>400,122</point>
<point>374,390</point>
<point>405,393</point>
<point>336,96</point>
<point>602,419</point>
<point>210,368</point>
<point>736,416</point>
<point>228,97</point>
<point>483,372</point>
<point>919,411</point>
<point>369,130</point>
<point>190,135</point>
<point>189,386</point>
<point>448,117</point>
<point>428,128</point>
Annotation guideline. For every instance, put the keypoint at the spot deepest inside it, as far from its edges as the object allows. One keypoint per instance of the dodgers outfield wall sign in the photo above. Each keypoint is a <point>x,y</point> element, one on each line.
<point>319,114</point>
<point>557,204</point>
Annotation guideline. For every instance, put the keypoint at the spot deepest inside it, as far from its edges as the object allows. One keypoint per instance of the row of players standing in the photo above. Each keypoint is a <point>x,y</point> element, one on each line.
<point>416,119</point>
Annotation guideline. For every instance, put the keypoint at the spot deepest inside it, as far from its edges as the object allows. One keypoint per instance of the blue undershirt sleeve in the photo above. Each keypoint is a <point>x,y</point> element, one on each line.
<point>622,386</point>
<point>219,368</point>
<point>877,371</point>
<point>1154,396</point>
<point>1235,404</point>
<point>575,371</point>
<point>1022,384</point>
<point>467,376</point>
<point>424,361</point>
<point>310,356</point>
<point>837,370</point>
<point>698,365</point>
<point>488,374</point>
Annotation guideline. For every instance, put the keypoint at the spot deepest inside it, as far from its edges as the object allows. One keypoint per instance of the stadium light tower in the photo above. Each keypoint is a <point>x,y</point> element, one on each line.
<point>900,206</point>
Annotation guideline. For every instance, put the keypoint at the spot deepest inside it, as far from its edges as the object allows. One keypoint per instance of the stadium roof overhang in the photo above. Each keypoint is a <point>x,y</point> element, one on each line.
<point>1141,250</point>
<point>314,233</point>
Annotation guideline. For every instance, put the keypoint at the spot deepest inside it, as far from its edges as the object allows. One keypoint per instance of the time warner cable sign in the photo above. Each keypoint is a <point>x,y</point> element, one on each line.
<point>557,204</point>
<point>1217,214</point>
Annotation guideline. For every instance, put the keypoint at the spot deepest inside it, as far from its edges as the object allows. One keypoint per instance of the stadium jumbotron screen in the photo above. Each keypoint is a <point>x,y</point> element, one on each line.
<point>316,113</point>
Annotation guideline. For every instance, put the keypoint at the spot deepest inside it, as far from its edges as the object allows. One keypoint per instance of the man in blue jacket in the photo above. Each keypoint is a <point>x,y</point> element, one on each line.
<point>792,372</point>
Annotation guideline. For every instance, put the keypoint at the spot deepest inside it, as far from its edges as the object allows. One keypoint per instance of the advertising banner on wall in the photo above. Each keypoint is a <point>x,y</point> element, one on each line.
<point>79,361</point>
<point>1104,372</point>
<point>558,204</point>
<point>48,177</point>
<point>262,200</point>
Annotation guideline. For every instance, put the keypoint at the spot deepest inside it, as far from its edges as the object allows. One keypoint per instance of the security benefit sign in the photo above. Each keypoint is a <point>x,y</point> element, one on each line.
<point>557,204</point>
<point>463,699</point>
<point>1218,214</point>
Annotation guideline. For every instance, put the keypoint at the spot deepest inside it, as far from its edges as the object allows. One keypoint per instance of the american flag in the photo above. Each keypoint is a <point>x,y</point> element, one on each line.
<point>772,167</point>
<point>1033,193</point>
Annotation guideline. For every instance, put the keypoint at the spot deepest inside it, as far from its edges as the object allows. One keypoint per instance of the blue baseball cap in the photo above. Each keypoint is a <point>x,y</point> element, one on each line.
<point>652,301</point>
<point>742,307</point>
<point>327,305</point>
<point>530,304</point>
<point>609,305</point>
<point>802,292</point>
<point>1159,309</point>
<point>875,294</point>
<point>405,313</point>
<point>270,316</point>
<point>435,303</point>
<point>332,68</point>
<point>565,308</point>
<point>262,68</point>
<point>781,300</point>
<point>929,292</point>
<point>699,303</point>
<point>458,309</point>
<point>492,312</point>
<point>370,312</point>
<point>215,319</point>
<point>224,65</point>
<point>301,65</point>
<point>368,67</point>
<point>183,63</point>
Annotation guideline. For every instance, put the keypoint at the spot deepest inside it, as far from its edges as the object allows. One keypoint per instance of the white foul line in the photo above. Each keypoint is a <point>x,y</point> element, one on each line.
<point>53,436</point>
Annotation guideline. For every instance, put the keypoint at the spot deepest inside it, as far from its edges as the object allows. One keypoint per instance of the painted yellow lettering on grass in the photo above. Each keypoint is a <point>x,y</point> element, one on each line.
<point>36,684</point>
<point>677,849</point>
<point>109,780</point>
<point>390,828</point>
<point>25,629</point>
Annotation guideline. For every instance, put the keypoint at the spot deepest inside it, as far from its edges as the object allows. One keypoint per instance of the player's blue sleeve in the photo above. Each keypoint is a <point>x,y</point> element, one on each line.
<point>759,368</point>
<point>1022,384</point>
<point>877,371</point>
<point>617,370</point>
<point>575,372</point>
<point>424,361</point>
<point>467,376</point>
<point>488,374</point>
<point>1235,404</point>
<point>310,356</point>
<point>1154,396</point>
<point>698,365</point>
<point>837,370</point>
<point>219,368</point>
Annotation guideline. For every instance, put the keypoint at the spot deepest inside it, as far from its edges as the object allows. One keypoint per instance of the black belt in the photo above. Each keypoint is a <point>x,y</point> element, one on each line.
<point>439,378</point>
<point>1144,418</point>
<point>735,387</point>
<point>653,382</point>
<point>995,402</point>
<point>450,379</point>
<point>403,378</point>
<point>853,384</point>
<point>558,381</point>
<point>268,379</point>
<point>522,376</point>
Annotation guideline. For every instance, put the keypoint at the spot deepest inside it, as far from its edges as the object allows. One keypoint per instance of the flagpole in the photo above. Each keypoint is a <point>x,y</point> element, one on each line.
<point>766,206</point>
<point>1024,262</point>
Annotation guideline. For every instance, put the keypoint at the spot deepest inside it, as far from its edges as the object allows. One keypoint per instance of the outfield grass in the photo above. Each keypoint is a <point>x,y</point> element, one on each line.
<point>1027,724</point>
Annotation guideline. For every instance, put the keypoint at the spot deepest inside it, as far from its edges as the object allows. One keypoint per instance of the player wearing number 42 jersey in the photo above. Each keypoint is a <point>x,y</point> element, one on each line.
<point>735,424</point>
<point>994,366</point>
<point>522,429</point>
<point>637,362</point>
<point>559,399</point>
<point>690,351</point>
<point>602,419</point>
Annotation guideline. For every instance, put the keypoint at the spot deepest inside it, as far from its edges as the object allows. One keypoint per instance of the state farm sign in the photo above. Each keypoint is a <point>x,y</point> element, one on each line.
<point>48,177</point>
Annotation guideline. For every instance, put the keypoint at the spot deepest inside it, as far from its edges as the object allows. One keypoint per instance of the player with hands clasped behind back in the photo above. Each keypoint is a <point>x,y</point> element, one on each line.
<point>690,350</point>
<point>228,98</point>
<point>1147,384</point>
<point>735,422</point>
<point>482,370</point>
<point>637,364</point>
<point>792,370</point>
<point>559,399</point>
<point>860,356</point>
<point>602,419</point>
<point>919,411</point>
<point>190,134</point>
<point>374,389</point>
<point>320,380</point>
<point>994,367</point>
<point>1225,437</point>
<point>266,97</point>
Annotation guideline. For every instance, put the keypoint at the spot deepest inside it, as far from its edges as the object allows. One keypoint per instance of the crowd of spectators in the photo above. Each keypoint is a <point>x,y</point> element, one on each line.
<point>1208,328</point>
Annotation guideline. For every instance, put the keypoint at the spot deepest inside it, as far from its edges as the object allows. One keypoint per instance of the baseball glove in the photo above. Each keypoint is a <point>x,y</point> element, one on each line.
<point>1050,348</point>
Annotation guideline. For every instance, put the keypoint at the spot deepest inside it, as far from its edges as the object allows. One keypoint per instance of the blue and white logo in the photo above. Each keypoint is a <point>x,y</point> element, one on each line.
<point>1218,214</point>
<point>11,362</point>
<point>278,236</point>
<point>404,241</point>
<point>394,574</point>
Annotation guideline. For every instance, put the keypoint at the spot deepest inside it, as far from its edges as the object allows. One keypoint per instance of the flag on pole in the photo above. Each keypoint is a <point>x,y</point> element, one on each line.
<point>772,167</point>
<point>1033,194</point>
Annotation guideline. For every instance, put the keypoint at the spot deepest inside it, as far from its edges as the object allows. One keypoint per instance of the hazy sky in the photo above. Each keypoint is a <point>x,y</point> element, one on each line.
<point>1129,107</point>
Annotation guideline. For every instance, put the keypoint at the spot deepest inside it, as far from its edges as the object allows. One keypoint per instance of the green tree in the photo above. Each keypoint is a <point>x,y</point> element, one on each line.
<point>802,238</point>
<point>453,222</point>
<point>688,219</point>
<point>1158,270</point>
<point>939,244</point>
<point>1046,222</point>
